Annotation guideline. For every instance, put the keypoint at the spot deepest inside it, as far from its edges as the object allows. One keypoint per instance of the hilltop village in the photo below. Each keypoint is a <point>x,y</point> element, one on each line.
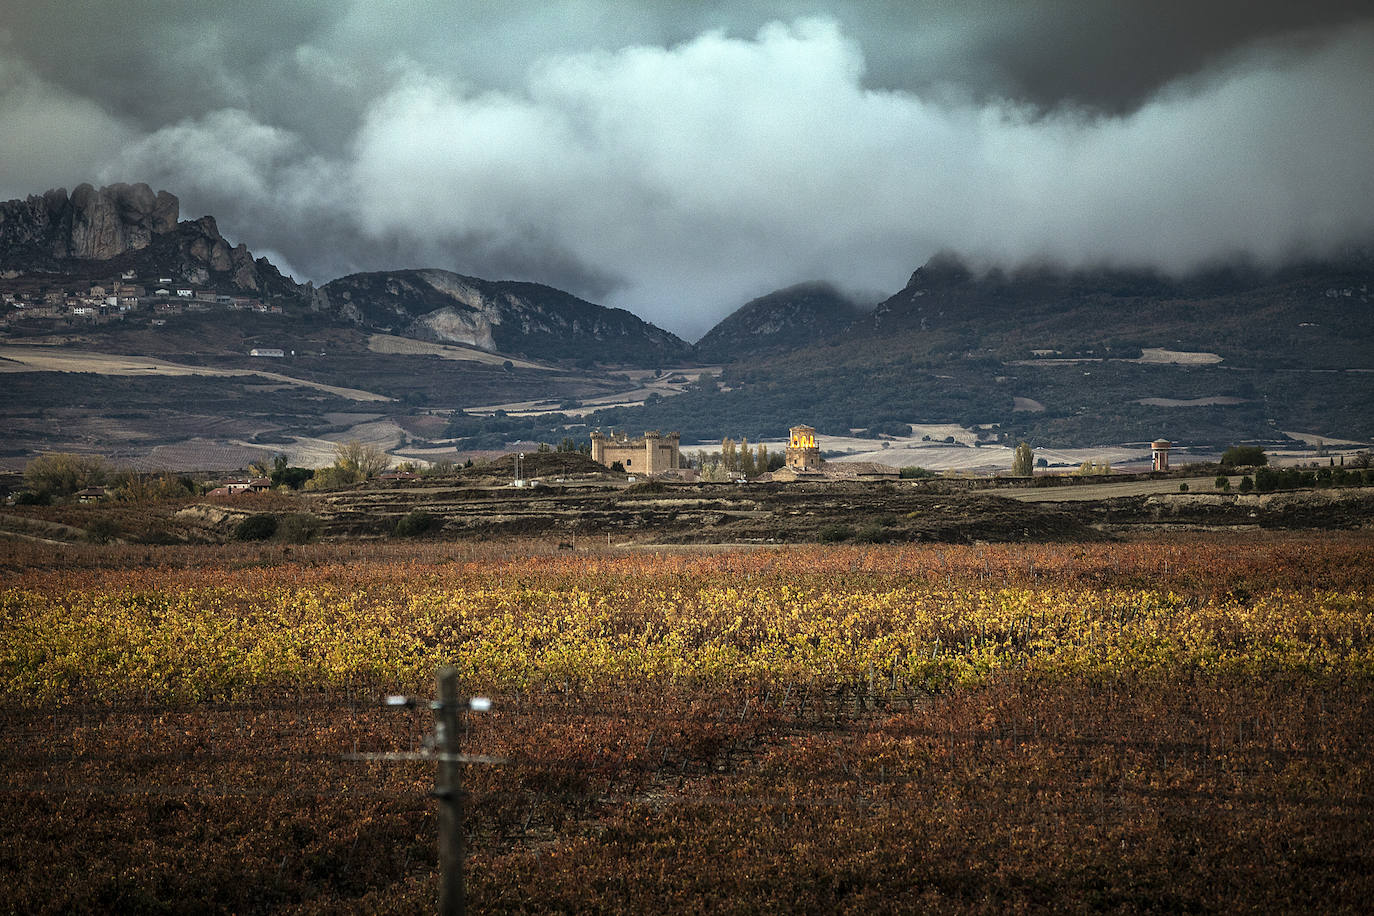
<point>118,298</point>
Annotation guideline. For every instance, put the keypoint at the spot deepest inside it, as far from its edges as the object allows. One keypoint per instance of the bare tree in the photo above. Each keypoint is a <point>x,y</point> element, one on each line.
<point>361,460</point>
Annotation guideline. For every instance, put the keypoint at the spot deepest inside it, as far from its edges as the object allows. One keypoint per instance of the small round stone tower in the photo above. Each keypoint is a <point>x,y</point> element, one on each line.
<point>1159,453</point>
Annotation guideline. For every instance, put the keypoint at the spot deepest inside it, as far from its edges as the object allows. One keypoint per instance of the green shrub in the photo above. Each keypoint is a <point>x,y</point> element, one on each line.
<point>102,531</point>
<point>1246,484</point>
<point>298,527</point>
<point>1223,482</point>
<point>832,533</point>
<point>256,528</point>
<point>1244,456</point>
<point>873,534</point>
<point>414,523</point>
<point>292,477</point>
<point>1183,488</point>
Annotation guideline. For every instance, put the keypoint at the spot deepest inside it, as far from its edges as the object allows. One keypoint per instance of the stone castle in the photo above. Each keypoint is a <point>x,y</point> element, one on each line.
<point>650,454</point>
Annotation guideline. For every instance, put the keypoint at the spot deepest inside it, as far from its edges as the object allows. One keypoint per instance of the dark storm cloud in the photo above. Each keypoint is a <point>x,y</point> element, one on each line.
<point>677,159</point>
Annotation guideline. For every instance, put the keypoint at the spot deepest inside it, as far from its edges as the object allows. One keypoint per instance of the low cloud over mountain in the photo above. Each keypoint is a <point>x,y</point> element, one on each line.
<point>677,164</point>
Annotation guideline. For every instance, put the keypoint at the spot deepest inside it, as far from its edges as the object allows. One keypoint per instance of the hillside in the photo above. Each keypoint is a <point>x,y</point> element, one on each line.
<point>112,272</point>
<point>1060,358</point>
<point>526,319</point>
<point>805,315</point>
<point>1067,359</point>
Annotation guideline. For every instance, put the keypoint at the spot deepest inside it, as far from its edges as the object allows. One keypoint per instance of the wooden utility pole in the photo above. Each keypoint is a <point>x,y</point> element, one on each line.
<point>448,788</point>
<point>450,715</point>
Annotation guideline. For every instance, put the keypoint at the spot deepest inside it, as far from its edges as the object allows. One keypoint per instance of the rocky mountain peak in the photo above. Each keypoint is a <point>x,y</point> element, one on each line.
<point>945,268</point>
<point>135,227</point>
<point>106,223</point>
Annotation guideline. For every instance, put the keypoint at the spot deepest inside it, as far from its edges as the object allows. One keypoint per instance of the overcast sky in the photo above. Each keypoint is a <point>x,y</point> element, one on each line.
<point>678,159</point>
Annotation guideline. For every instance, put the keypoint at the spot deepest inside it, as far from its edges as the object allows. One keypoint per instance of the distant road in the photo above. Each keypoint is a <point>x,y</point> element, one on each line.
<point>53,359</point>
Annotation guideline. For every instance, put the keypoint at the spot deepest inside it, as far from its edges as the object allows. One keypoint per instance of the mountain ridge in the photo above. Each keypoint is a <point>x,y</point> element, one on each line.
<point>509,316</point>
<point>801,315</point>
<point>1054,355</point>
<point>93,234</point>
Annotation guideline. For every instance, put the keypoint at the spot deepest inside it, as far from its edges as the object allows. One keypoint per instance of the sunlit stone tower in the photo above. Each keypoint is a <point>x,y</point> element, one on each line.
<point>802,451</point>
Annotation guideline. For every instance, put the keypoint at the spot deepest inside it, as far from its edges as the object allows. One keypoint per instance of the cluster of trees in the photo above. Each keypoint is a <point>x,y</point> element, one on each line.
<point>1090,468</point>
<point>1268,479</point>
<point>495,431</point>
<point>1244,456</point>
<point>569,445</point>
<point>735,458</point>
<point>282,474</point>
<point>354,462</point>
<point>61,475</point>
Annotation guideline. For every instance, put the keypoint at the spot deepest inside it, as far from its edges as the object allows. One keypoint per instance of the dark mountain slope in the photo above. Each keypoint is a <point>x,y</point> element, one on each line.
<point>808,314</point>
<point>1070,358</point>
<point>1311,316</point>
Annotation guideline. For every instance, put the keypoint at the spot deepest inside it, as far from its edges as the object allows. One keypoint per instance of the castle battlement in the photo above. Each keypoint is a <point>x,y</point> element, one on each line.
<point>652,453</point>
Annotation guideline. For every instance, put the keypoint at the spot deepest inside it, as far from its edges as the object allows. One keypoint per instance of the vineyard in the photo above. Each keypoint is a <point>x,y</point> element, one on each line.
<point>1175,724</point>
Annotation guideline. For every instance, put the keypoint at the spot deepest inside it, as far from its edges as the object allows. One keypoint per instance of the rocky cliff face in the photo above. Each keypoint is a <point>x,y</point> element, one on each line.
<point>526,319</point>
<point>90,224</point>
<point>129,226</point>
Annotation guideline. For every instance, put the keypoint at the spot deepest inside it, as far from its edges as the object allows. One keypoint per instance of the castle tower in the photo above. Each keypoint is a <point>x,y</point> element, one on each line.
<point>803,453</point>
<point>1159,454</point>
<point>598,447</point>
<point>652,459</point>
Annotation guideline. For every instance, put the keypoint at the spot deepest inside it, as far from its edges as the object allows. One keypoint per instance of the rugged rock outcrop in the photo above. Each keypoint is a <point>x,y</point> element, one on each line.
<point>129,226</point>
<point>106,223</point>
<point>526,319</point>
<point>90,224</point>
